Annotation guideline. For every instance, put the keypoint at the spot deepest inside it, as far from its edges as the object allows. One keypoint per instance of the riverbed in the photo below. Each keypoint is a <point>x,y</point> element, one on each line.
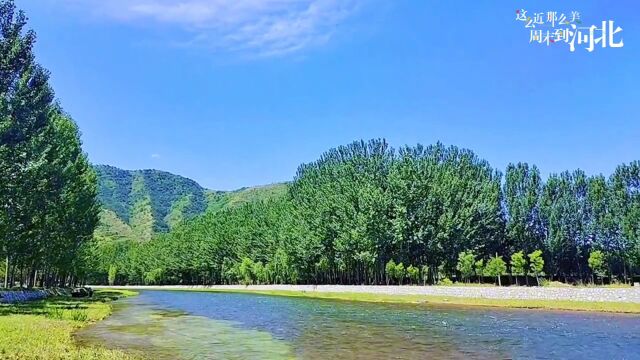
<point>200,325</point>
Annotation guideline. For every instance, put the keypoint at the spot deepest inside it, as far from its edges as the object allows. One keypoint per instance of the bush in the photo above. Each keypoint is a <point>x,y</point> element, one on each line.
<point>414,274</point>
<point>390,270</point>
<point>466,260</point>
<point>113,272</point>
<point>445,282</point>
<point>496,267</point>
<point>597,264</point>
<point>401,272</point>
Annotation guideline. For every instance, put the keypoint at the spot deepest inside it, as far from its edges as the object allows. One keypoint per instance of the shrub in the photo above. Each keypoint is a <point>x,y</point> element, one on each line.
<point>445,282</point>
<point>401,273</point>
<point>536,264</point>
<point>466,260</point>
<point>518,265</point>
<point>425,274</point>
<point>390,270</point>
<point>496,267</point>
<point>597,264</point>
<point>111,276</point>
<point>414,274</point>
<point>245,270</point>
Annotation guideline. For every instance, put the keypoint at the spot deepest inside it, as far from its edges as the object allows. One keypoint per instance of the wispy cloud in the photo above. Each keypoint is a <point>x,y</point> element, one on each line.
<point>155,156</point>
<point>261,27</point>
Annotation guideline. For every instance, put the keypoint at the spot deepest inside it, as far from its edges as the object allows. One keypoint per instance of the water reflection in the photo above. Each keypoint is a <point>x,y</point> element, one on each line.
<point>190,325</point>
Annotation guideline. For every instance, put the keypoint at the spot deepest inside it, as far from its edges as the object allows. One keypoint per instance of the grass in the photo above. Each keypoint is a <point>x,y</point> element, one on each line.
<point>43,329</point>
<point>611,307</point>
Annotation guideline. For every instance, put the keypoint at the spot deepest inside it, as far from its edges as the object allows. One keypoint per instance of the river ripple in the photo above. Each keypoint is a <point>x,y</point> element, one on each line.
<point>199,325</point>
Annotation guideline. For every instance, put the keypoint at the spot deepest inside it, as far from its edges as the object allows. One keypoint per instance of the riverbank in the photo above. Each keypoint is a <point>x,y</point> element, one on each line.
<point>600,299</point>
<point>43,329</point>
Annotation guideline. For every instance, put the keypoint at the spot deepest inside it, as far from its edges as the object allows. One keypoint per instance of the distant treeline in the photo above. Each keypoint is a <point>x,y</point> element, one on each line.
<point>365,213</point>
<point>48,207</point>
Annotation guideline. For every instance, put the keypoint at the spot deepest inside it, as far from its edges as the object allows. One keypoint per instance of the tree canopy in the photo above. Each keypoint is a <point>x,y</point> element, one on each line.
<point>48,188</point>
<point>365,213</point>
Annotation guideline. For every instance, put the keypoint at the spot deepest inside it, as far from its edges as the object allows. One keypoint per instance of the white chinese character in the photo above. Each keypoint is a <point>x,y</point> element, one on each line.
<point>575,17</point>
<point>561,35</point>
<point>562,19</point>
<point>593,40</point>
<point>612,33</point>
<point>538,18</point>
<point>571,37</point>
<point>552,17</point>
<point>535,35</point>
<point>547,38</point>
<point>521,15</point>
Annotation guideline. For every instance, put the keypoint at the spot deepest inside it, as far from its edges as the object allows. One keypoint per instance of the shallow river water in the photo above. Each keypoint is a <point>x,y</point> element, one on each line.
<point>200,325</point>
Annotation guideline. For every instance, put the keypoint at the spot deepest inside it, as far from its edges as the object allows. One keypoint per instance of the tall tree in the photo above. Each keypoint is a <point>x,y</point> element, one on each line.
<point>522,194</point>
<point>48,188</point>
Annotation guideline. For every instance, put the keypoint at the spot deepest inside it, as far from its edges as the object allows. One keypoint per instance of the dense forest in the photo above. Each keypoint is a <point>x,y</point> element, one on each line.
<point>363,213</point>
<point>137,204</point>
<point>366,213</point>
<point>48,188</point>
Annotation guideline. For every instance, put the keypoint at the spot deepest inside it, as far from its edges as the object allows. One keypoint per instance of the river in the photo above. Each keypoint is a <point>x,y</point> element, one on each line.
<point>201,325</point>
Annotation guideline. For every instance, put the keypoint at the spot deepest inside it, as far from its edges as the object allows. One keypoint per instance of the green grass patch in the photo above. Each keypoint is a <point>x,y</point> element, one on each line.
<point>44,329</point>
<point>613,307</point>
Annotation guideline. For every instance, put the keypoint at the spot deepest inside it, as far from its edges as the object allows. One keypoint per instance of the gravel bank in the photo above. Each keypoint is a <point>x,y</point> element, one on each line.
<point>627,295</point>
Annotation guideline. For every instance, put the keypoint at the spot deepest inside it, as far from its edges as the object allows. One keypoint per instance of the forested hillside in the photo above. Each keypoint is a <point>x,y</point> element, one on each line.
<point>368,213</point>
<point>136,204</point>
<point>224,200</point>
<point>142,202</point>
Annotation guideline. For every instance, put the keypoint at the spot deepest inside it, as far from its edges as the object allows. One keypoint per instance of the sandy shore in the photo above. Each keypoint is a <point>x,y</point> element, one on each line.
<point>588,294</point>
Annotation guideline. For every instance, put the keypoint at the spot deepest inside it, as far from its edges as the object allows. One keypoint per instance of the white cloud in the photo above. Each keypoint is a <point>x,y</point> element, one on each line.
<point>155,156</point>
<point>261,27</point>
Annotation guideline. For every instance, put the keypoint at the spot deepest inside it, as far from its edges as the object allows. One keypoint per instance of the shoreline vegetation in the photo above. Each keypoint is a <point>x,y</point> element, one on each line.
<point>592,299</point>
<point>44,329</point>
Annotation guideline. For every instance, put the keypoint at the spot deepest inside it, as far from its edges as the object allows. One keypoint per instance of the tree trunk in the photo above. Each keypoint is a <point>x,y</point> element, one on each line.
<point>6,273</point>
<point>499,281</point>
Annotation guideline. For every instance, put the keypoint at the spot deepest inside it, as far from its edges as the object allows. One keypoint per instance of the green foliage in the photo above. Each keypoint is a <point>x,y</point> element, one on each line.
<point>445,282</point>
<point>245,270</point>
<point>48,189</point>
<point>113,272</point>
<point>597,263</point>
<point>522,190</point>
<point>154,277</point>
<point>518,264</point>
<point>479,269</point>
<point>221,200</point>
<point>413,273</point>
<point>390,270</point>
<point>400,273</point>
<point>425,274</point>
<point>536,263</point>
<point>496,267</point>
<point>466,262</point>
<point>363,210</point>
<point>149,200</point>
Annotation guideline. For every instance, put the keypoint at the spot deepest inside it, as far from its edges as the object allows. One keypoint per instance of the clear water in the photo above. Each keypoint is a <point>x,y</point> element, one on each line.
<point>199,325</point>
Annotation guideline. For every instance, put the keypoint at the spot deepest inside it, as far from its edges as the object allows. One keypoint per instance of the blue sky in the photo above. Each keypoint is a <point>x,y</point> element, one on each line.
<point>239,93</point>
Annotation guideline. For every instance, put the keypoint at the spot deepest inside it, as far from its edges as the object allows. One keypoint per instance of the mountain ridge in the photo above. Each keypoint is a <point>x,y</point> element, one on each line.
<point>140,203</point>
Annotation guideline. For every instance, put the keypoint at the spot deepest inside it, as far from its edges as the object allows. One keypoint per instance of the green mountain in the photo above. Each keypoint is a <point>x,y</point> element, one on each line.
<point>221,200</point>
<point>138,203</point>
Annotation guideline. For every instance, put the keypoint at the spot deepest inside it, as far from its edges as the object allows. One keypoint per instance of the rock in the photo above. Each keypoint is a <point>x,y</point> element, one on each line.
<point>80,292</point>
